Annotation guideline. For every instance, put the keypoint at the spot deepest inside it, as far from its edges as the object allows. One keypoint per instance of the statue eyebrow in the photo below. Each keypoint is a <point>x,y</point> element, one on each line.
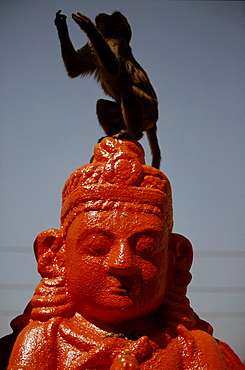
<point>94,230</point>
<point>149,231</point>
<point>138,233</point>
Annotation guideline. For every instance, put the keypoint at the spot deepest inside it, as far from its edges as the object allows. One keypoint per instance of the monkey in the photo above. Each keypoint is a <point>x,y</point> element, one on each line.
<point>109,57</point>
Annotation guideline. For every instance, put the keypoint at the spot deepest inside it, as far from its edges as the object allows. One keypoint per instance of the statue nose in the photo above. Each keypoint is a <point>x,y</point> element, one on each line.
<point>122,260</point>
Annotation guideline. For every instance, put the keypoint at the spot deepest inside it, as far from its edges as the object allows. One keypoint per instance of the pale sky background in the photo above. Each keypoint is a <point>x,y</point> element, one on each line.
<point>193,52</point>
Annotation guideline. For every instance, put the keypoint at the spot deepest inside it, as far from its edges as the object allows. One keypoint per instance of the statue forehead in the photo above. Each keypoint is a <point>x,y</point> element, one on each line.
<point>117,214</point>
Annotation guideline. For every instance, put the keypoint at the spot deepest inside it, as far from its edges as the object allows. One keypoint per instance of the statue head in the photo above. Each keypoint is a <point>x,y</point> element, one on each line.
<point>115,257</point>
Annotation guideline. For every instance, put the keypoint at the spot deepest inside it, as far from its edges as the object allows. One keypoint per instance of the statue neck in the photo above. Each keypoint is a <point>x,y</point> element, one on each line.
<point>131,329</point>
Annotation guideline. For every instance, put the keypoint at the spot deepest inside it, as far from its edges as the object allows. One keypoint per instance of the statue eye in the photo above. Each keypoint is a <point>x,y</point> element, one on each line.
<point>145,243</point>
<point>148,244</point>
<point>97,244</point>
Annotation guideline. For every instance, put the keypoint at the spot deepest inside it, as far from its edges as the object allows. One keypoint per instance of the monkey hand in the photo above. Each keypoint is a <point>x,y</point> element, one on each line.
<point>85,23</point>
<point>60,19</point>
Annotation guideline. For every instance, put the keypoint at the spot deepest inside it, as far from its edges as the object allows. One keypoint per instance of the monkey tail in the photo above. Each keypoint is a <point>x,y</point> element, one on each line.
<point>155,149</point>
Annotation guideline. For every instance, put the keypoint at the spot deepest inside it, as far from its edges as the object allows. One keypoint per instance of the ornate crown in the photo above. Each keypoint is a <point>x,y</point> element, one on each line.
<point>117,173</point>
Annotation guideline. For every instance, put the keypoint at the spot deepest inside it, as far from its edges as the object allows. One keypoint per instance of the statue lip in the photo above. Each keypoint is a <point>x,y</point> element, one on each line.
<point>124,288</point>
<point>121,290</point>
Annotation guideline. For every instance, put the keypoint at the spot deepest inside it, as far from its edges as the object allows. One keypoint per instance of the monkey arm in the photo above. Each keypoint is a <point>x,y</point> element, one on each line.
<point>98,43</point>
<point>79,62</point>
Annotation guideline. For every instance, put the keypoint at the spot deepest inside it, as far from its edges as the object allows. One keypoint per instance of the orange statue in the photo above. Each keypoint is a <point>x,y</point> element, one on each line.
<point>114,277</point>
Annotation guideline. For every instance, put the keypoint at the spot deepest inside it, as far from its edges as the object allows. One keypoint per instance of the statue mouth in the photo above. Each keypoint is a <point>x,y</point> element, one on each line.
<point>124,288</point>
<point>121,290</point>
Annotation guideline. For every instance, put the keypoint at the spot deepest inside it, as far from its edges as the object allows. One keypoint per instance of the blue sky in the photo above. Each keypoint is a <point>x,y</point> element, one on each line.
<point>193,52</point>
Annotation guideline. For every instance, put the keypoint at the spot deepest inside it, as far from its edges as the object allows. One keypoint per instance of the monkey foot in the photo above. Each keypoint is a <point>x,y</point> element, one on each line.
<point>123,135</point>
<point>99,141</point>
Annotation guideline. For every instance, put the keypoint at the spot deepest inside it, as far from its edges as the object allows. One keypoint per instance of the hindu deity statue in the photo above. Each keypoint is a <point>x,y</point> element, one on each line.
<point>114,277</point>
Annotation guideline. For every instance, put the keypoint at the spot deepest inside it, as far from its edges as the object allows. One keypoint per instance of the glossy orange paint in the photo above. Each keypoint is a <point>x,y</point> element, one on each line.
<point>125,360</point>
<point>114,277</point>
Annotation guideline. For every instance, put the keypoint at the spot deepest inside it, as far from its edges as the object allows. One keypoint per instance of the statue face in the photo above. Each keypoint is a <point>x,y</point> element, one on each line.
<point>116,263</point>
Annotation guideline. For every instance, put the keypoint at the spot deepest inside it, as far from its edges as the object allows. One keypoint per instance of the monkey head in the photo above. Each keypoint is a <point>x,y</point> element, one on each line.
<point>114,26</point>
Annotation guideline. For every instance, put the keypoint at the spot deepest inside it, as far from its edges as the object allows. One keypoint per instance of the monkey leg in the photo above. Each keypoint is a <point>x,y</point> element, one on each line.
<point>132,113</point>
<point>149,106</point>
<point>140,113</point>
<point>110,117</point>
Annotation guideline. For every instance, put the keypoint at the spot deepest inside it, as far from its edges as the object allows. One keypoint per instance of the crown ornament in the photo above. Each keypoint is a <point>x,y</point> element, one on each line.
<point>117,173</point>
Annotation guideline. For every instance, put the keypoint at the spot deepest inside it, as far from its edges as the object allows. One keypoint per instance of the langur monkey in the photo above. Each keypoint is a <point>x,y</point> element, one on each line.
<point>108,55</point>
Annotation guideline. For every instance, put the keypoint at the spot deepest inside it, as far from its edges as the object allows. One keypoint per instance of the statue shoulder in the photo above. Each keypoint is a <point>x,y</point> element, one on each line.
<point>231,359</point>
<point>201,348</point>
<point>216,352</point>
<point>35,345</point>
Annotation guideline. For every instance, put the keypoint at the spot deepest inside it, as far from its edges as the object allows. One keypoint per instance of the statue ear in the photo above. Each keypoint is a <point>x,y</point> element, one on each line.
<point>46,247</point>
<point>181,255</point>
